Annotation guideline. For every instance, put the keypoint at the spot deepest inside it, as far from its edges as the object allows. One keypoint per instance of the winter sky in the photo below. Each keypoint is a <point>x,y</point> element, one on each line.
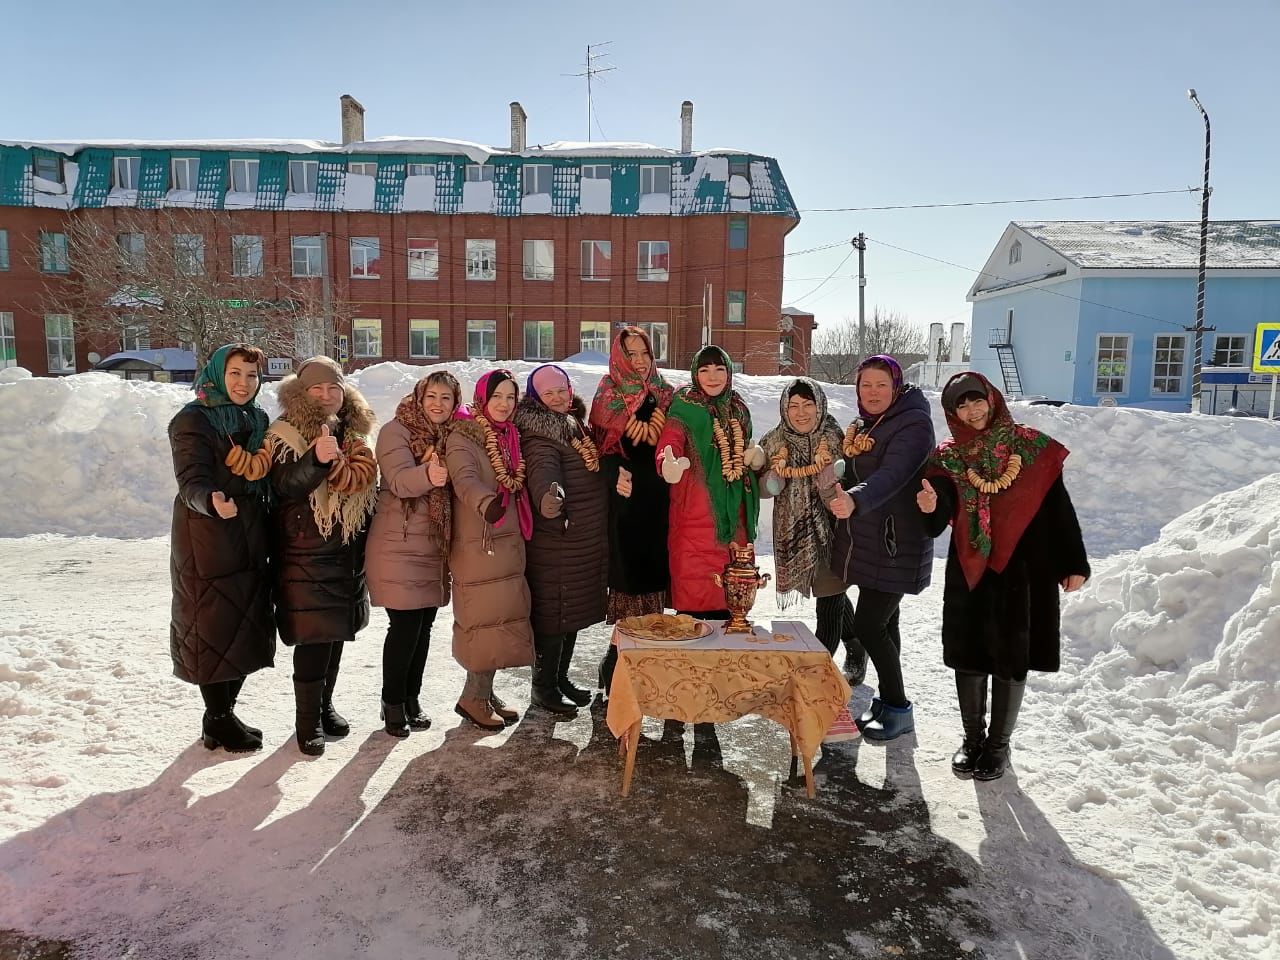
<point>864,104</point>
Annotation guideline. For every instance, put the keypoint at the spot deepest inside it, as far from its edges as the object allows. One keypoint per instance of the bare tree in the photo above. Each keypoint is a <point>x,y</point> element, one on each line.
<point>838,349</point>
<point>182,278</point>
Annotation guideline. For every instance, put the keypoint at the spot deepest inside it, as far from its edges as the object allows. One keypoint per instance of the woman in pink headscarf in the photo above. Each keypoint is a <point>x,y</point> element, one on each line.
<point>491,522</point>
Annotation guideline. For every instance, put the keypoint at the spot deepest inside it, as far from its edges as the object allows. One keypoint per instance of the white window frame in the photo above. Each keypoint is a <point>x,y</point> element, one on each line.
<point>190,176</point>
<point>308,341</point>
<point>125,172</point>
<point>1246,359</point>
<point>595,335</point>
<point>133,249</point>
<point>4,249</point>
<point>1178,374</point>
<point>366,337</point>
<point>786,349</point>
<point>310,250</point>
<point>1015,252</point>
<point>650,176</point>
<point>246,255</point>
<point>360,249</point>
<point>532,177</point>
<point>364,168</point>
<point>544,332</point>
<point>421,170</point>
<point>647,252</point>
<point>745,224</point>
<point>482,260</point>
<point>188,254</point>
<point>539,260</point>
<point>658,334</point>
<point>424,262</point>
<point>478,173</point>
<point>8,341</point>
<point>740,168</point>
<point>428,329</point>
<point>588,268</point>
<point>304,174</point>
<point>735,302</point>
<point>246,181</point>
<point>55,175</point>
<point>479,329</point>
<point>64,337</point>
<point>1097,363</point>
<point>135,337</point>
<point>597,171</point>
<point>55,256</point>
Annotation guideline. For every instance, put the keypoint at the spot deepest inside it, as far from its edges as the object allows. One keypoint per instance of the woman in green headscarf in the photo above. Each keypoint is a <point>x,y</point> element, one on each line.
<point>222,627</point>
<point>705,453</point>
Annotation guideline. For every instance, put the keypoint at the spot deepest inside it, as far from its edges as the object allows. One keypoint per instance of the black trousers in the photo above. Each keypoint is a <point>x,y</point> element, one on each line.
<point>311,661</point>
<point>404,653</point>
<point>875,620</point>
<point>835,621</point>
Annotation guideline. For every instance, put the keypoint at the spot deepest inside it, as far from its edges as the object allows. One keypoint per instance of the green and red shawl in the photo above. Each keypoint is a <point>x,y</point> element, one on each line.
<point>622,391</point>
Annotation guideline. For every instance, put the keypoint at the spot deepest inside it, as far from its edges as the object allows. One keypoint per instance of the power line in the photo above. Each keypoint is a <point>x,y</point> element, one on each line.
<point>994,203</point>
<point>806,296</point>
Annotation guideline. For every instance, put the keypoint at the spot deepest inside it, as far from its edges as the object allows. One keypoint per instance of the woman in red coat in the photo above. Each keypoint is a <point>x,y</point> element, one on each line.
<point>706,455</point>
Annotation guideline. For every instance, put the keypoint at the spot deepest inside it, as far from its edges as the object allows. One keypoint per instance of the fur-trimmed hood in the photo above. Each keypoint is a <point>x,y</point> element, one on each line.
<point>533,418</point>
<point>307,416</point>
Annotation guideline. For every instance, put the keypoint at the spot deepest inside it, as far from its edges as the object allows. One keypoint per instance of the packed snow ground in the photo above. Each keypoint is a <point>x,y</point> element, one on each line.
<point>1150,764</point>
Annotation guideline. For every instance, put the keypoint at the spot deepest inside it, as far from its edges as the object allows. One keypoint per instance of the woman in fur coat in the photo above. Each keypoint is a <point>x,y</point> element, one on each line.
<point>1015,540</point>
<point>324,476</point>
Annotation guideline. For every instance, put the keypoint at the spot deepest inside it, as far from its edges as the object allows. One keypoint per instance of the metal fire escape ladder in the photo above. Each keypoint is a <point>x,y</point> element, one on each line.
<point>1001,341</point>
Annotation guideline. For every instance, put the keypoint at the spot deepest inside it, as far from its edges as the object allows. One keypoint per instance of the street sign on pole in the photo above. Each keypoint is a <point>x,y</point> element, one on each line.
<point>1266,358</point>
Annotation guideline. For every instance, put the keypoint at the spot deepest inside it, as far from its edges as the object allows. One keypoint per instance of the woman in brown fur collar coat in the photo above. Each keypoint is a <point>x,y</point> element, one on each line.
<point>324,477</point>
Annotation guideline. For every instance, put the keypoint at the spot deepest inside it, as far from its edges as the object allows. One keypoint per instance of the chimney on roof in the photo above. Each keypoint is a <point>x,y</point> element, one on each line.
<point>352,119</point>
<point>686,127</point>
<point>518,119</point>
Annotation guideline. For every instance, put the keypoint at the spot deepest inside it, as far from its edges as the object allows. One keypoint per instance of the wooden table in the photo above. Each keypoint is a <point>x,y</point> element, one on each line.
<point>784,674</point>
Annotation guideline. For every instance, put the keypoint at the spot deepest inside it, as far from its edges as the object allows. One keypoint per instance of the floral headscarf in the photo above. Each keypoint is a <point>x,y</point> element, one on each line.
<point>508,443</point>
<point>622,392</point>
<point>426,437</point>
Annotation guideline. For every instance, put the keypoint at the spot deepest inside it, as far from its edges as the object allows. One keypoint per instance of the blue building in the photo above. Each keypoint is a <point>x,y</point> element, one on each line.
<point>1085,311</point>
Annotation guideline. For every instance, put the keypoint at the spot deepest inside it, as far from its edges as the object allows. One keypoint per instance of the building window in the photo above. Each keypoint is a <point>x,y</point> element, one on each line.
<point>125,173</point>
<point>597,171</point>
<point>363,169</point>
<point>135,336</point>
<point>597,259</point>
<point>133,249</point>
<point>60,342</point>
<point>4,249</point>
<point>539,260</point>
<point>422,170</point>
<point>366,338</point>
<point>308,256</point>
<point>594,335</point>
<point>1229,350</point>
<point>657,337</point>
<point>740,168</point>
<point>1170,362</point>
<point>478,173</point>
<point>53,253</point>
<point>424,338</point>
<point>188,254</point>
<point>1015,252</point>
<point>786,349</point>
<point>482,339</point>
<point>47,166</point>
<point>246,257</point>
<point>307,340</point>
<point>1113,363</point>
<point>655,179</point>
<point>184,173</point>
<point>653,260</point>
<point>244,176</point>
<point>303,175</point>
<point>539,339</point>
<point>8,343</point>
<point>536,178</point>
<point>364,257</point>
<point>735,311</point>
<point>482,259</point>
<point>737,233</point>
<point>424,258</point>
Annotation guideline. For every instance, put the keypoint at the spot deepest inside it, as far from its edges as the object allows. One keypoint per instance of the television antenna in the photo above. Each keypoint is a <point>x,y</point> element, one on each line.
<point>591,69</point>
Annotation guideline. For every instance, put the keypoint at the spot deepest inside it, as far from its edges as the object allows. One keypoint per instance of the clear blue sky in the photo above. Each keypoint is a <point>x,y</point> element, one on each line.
<point>863,104</point>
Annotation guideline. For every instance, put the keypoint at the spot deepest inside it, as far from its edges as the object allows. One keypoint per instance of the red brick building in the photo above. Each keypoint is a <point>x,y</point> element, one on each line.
<point>440,250</point>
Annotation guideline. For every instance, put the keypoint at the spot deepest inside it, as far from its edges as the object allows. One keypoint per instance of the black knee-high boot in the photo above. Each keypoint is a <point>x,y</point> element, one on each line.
<point>545,690</point>
<point>308,699</point>
<point>333,723</point>
<point>578,695</point>
<point>607,665</point>
<point>1006,701</point>
<point>220,727</point>
<point>855,657</point>
<point>971,692</point>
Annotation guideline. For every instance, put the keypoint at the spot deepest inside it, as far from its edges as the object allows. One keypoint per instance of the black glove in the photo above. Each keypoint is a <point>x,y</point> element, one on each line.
<point>646,408</point>
<point>496,510</point>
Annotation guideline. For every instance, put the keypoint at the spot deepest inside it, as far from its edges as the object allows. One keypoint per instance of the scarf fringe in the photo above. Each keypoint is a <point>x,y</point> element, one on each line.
<point>348,512</point>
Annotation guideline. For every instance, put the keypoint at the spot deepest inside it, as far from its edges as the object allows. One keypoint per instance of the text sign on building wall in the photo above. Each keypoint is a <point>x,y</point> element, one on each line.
<point>279,366</point>
<point>1266,348</point>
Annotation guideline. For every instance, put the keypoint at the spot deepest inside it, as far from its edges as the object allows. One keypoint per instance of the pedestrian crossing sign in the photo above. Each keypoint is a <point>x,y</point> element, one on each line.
<point>1266,348</point>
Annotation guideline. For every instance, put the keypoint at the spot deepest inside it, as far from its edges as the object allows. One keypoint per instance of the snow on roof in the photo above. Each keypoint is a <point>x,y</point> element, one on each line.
<point>796,312</point>
<point>1161,244</point>
<point>167,358</point>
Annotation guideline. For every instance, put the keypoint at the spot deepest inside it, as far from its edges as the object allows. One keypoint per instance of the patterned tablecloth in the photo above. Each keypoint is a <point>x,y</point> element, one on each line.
<point>785,674</point>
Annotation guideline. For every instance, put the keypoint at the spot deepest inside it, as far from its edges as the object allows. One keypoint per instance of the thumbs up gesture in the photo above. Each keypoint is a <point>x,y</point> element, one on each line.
<point>624,482</point>
<point>437,472</point>
<point>552,503</point>
<point>224,508</point>
<point>672,467</point>
<point>326,446</point>
<point>926,497</point>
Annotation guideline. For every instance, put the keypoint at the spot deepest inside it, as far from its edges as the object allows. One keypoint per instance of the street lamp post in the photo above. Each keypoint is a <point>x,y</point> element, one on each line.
<point>1200,329</point>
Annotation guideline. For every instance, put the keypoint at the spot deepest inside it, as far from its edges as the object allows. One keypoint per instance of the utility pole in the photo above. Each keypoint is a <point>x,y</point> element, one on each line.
<point>591,71</point>
<point>326,294</point>
<point>1200,329</point>
<point>860,244</point>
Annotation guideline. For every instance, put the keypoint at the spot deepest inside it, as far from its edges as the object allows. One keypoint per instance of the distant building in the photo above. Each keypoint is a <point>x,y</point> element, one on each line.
<point>1085,311</point>
<point>446,250</point>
